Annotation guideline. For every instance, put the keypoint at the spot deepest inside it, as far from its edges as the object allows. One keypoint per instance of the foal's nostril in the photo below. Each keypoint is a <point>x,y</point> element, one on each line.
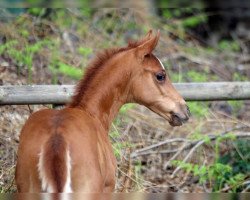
<point>176,119</point>
<point>180,117</point>
<point>176,116</point>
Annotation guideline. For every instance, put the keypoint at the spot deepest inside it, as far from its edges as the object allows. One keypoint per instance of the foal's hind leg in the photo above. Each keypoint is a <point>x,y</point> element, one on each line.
<point>27,179</point>
<point>22,180</point>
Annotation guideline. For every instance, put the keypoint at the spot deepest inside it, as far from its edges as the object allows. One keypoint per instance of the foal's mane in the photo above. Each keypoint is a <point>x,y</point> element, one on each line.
<point>95,66</point>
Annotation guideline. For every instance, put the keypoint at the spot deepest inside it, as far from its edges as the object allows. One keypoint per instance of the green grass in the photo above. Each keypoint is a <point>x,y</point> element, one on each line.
<point>62,68</point>
<point>197,76</point>
<point>229,45</point>
<point>23,55</point>
<point>236,106</point>
<point>198,109</point>
<point>193,21</point>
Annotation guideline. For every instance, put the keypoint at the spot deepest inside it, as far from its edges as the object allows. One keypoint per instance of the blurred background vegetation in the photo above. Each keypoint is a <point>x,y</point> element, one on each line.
<point>202,43</point>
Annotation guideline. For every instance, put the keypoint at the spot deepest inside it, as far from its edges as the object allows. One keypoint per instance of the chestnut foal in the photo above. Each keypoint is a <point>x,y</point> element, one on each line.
<point>69,150</point>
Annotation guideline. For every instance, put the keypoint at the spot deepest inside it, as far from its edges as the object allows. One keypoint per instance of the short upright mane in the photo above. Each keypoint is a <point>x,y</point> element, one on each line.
<point>95,65</point>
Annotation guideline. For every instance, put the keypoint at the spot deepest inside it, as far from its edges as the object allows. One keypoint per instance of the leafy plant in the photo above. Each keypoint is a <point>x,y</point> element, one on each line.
<point>236,106</point>
<point>228,45</point>
<point>23,55</point>
<point>196,135</point>
<point>85,51</point>
<point>126,107</point>
<point>194,21</point>
<point>228,136</point>
<point>198,109</point>
<point>36,11</point>
<point>216,175</point>
<point>197,76</point>
<point>239,77</point>
<point>138,174</point>
<point>68,70</point>
<point>230,169</point>
<point>239,157</point>
<point>118,146</point>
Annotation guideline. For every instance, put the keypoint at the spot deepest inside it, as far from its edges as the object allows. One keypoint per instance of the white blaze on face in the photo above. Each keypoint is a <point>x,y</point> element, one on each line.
<point>160,63</point>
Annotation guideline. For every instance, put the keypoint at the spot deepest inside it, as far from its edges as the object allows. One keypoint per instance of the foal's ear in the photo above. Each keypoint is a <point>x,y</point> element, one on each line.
<point>148,46</point>
<point>148,35</point>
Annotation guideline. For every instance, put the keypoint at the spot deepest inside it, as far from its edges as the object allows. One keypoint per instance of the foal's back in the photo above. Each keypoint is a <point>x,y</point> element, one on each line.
<point>52,141</point>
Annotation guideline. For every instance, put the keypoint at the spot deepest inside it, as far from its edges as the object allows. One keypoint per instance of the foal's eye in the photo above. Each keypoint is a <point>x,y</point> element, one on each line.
<point>161,76</point>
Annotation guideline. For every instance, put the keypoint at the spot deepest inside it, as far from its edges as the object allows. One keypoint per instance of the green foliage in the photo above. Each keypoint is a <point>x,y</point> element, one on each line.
<point>180,4</point>
<point>118,146</point>
<point>57,3</point>
<point>197,135</point>
<point>228,45</point>
<point>239,157</point>
<point>126,107</point>
<point>85,51</point>
<point>115,135</point>
<point>7,46</point>
<point>193,21</point>
<point>176,77</point>
<point>24,33</point>
<point>198,109</point>
<point>23,55</point>
<point>138,174</point>
<point>236,106</point>
<point>86,11</point>
<point>216,175</point>
<point>65,69</point>
<point>187,17</point>
<point>230,169</point>
<point>192,76</point>
<point>228,136</point>
<point>167,14</point>
<point>36,11</point>
<point>197,76</point>
<point>239,77</point>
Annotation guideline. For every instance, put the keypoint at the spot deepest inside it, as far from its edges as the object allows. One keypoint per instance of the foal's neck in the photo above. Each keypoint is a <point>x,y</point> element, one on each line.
<point>107,92</point>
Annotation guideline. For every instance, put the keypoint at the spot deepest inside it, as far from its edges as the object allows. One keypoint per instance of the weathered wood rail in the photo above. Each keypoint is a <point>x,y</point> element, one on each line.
<point>60,94</point>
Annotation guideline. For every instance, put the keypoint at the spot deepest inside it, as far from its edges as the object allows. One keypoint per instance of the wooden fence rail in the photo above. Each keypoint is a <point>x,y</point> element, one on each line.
<point>60,94</point>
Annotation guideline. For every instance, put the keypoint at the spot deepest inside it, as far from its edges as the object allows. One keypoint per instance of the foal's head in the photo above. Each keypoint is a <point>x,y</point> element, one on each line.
<point>151,86</point>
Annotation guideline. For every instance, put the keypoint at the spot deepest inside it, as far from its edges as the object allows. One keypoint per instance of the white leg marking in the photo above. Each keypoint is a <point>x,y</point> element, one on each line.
<point>160,63</point>
<point>67,187</point>
<point>46,186</point>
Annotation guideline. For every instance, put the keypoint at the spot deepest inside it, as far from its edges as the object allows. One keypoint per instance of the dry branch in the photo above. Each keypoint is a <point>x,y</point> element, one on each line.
<point>188,144</point>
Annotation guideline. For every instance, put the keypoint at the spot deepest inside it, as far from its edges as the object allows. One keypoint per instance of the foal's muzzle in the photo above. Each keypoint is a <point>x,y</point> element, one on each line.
<point>181,117</point>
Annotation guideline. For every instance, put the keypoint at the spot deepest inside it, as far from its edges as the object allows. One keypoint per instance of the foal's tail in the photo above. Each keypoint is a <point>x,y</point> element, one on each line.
<point>54,165</point>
